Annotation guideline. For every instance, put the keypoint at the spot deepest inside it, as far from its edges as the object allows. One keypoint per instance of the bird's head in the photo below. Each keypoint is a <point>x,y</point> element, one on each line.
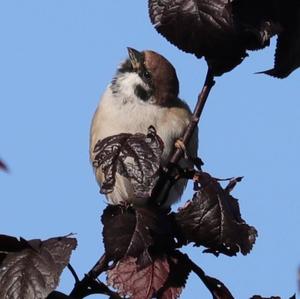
<point>147,76</point>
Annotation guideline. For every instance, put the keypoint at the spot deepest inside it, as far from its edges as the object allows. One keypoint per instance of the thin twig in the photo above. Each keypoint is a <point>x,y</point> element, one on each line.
<point>216,287</point>
<point>165,181</point>
<point>99,267</point>
<point>202,97</point>
<point>72,270</point>
<point>90,285</point>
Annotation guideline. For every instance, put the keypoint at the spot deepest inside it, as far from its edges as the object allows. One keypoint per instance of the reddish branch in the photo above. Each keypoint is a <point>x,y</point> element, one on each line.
<point>216,288</point>
<point>202,97</point>
<point>166,179</point>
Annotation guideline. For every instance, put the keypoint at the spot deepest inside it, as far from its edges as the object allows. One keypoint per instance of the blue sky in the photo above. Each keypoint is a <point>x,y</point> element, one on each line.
<point>57,57</point>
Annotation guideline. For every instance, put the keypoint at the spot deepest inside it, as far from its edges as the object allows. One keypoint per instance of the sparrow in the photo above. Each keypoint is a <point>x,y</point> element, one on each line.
<point>223,31</point>
<point>143,93</point>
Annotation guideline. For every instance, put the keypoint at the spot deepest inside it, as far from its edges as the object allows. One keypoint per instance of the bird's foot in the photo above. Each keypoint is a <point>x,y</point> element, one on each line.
<point>180,145</point>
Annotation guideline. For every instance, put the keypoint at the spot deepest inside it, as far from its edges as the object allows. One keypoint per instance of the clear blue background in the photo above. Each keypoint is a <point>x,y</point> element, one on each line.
<point>57,57</point>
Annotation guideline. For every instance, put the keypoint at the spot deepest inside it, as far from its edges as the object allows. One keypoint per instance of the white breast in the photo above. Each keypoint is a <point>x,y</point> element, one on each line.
<point>126,113</point>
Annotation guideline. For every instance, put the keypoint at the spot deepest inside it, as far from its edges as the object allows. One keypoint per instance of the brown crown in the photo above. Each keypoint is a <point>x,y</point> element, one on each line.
<point>164,77</point>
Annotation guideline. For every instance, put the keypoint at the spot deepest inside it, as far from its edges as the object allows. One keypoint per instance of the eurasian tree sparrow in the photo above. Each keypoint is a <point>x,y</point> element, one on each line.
<point>143,93</point>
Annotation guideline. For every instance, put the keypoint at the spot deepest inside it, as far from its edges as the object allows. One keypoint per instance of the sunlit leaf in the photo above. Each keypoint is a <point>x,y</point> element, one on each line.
<point>139,283</point>
<point>31,269</point>
<point>212,219</point>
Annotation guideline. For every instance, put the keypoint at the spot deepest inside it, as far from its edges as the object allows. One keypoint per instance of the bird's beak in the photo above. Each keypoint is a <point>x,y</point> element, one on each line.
<point>136,58</point>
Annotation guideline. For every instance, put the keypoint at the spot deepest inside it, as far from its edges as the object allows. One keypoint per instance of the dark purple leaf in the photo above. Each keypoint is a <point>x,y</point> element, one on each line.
<point>133,232</point>
<point>287,57</point>
<point>202,27</point>
<point>179,272</point>
<point>222,31</point>
<point>208,19</point>
<point>139,283</point>
<point>281,17</point>
<point>136,157</point>
<point>11,244</point>
<point>212,219</point>
<point>34,271</point>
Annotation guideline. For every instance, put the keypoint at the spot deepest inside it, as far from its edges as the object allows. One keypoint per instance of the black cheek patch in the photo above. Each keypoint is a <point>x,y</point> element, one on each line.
<point>141,93</point>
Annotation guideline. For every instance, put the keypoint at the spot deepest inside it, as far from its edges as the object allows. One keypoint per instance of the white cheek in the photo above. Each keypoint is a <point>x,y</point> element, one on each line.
<point>127,84</point>
<point>124,112</point>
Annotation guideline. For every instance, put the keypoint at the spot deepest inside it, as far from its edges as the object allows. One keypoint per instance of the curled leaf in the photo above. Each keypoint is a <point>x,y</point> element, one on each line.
<point>134,156</point>
<point>212,219</point>
<point>264,19</point>
<point>31,269</point>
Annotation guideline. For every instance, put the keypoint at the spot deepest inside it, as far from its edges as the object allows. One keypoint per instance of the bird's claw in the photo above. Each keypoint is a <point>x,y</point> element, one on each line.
<point>179,144</point>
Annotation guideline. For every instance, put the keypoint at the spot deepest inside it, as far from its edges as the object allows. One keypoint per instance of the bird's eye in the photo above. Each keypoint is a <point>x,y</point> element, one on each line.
<point>147,75</point>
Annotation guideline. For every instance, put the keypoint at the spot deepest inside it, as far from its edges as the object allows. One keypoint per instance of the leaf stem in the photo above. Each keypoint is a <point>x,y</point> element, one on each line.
<point>72,270</point>
<point>216,287</point>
